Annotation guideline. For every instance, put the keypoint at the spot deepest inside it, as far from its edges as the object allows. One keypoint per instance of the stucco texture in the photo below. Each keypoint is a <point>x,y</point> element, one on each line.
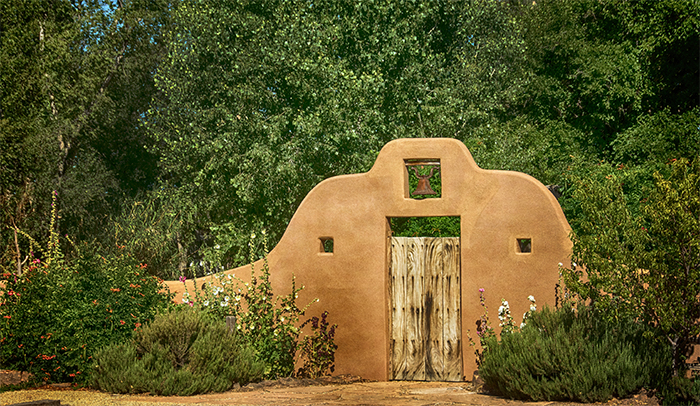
<point>495,209</point>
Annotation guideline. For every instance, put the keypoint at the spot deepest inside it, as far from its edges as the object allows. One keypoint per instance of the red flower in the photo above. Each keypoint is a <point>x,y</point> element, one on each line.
<point>116,290</point>
<point>122,322</point>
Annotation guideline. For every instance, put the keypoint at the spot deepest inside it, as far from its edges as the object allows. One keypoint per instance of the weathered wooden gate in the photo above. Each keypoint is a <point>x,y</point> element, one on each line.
<point>426,342</point>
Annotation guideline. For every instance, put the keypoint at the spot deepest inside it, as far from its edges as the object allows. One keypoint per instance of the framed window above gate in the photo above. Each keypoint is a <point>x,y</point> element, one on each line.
<point>423,178</point>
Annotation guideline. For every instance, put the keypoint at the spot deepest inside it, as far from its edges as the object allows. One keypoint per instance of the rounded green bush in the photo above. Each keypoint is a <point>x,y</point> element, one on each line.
<point>58,313</point>
<point>182,352</point>
<point>574,356</point>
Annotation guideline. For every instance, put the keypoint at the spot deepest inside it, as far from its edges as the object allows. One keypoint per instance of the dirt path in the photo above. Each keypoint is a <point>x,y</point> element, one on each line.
<point>364,393</point>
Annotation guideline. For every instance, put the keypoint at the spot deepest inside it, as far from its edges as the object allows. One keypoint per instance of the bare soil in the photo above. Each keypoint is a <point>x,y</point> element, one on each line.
<point>336,390</point>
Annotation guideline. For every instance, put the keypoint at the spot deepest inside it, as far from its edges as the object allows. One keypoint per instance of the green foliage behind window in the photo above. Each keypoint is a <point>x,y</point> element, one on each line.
<point>425,226</point>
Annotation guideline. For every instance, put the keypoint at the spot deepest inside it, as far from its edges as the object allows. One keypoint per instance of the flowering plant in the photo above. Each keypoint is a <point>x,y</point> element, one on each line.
<point>267,322</point>
<point>487,334</point>
<point>57,313</point>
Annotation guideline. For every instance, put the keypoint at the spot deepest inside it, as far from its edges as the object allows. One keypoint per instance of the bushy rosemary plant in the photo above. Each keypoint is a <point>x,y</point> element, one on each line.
<point>574,355</point>
<point>183,352</point>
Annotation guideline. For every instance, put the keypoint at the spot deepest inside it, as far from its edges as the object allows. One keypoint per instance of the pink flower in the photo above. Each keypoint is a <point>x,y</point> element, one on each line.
<point>481,290</point>
<point>182,279</point>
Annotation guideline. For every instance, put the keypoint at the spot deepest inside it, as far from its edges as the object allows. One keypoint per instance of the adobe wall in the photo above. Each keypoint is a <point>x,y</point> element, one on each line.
<point>495,208</point>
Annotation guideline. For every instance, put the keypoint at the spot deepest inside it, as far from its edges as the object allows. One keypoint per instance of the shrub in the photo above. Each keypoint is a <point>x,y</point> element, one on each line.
<point>183,352</point>
<point>641,253</point>
<point>57,313</point>
<point>680,391</point>
<point>318,350</point>
<point>267,322</point>
<point>571,355</point>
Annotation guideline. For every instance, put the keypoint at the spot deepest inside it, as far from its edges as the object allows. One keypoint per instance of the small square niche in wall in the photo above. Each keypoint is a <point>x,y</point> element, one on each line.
<point>524,245</point>
<point>326,245</point>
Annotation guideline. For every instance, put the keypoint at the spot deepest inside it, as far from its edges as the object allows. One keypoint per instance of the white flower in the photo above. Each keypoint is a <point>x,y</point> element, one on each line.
<point>531,298</point>
<point>560,264</point>
<point>505,303</point>
<point>226,298</point>
<point>216,247</point>
<point>184,300</point>
<point>533,307</point>
<point>224,304</point>
<point>522,325</point>
<point>281,318</point>
<point>206,303</point>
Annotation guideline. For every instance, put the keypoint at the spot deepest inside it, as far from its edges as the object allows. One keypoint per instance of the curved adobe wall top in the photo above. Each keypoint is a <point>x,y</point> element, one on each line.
<point>495,208</point>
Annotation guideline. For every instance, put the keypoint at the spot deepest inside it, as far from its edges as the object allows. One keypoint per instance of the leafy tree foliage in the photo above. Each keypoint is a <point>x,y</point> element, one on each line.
<point>76,77</point>
<point>645,266</point>
<point>248,105</point>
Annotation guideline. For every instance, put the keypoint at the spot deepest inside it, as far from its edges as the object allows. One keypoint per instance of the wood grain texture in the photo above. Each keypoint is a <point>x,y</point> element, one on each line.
<point>425,303</point>
<point>452,315</point>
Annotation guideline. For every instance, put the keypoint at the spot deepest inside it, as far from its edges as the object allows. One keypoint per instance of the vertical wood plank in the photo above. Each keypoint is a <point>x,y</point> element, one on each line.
<point>397,278</point>
<point>452,336</point>
<point>415,322</point>
<point>433,299</point>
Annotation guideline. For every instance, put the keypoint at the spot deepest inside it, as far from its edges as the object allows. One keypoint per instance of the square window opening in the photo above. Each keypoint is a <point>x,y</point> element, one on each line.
<point>326,245</point>
<point>524,245</point>
<point>423,179</point>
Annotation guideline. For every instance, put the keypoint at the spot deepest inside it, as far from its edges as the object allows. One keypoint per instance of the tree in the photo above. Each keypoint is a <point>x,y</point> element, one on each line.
<point>75,82</point>
<point>645,266</point>
<point>262,101</point>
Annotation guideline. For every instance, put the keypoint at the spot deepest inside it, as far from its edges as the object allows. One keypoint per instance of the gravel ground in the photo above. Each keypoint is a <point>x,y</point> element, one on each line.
<point>339,390</point>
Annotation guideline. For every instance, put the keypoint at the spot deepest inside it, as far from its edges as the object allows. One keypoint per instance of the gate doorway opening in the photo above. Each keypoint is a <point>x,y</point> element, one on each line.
<point>425,304</point>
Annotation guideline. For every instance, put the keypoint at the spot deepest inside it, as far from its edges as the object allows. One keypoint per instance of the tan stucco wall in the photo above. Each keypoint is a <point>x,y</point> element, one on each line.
<point>495,208</point>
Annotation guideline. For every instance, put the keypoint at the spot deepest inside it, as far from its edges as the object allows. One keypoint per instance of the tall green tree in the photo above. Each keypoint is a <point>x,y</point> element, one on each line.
<point>264,100</point>
<point>75,80</point>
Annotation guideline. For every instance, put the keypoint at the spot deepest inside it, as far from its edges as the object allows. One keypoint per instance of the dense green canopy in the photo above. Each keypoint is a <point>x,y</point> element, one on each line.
<point>181,128</point>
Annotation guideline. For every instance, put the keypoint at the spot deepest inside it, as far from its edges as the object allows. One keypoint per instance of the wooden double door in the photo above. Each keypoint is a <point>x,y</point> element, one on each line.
<point>426,342</point>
